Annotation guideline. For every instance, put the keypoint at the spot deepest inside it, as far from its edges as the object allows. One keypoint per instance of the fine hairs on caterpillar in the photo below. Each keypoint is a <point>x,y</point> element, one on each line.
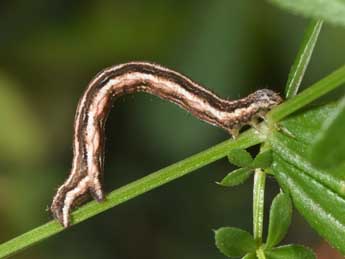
<point>95,104</point>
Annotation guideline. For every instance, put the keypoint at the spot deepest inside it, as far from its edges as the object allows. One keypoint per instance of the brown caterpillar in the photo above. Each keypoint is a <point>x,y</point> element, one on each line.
<point>95,104</point>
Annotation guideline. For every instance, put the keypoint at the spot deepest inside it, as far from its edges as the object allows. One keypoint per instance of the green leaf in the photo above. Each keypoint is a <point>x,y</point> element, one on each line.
<point>234,242</point>
<point>262,160</point>
<point>332,11</point>
<point>290,252</point>
<point>236,177</point>
<point>240,157</point>
<point>304,127</point>
<point>280,219</point>
<point>302,59</point>
<point>316,194</point>
<point>328,149</point>
<point>321,207</point>
<point>318,89</point>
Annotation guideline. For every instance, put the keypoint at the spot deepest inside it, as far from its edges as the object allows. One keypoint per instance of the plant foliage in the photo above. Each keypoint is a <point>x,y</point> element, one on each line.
<point>302,148</point>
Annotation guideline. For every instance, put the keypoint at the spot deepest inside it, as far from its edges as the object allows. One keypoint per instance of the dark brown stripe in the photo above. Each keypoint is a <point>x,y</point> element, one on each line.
<point>261,101</point>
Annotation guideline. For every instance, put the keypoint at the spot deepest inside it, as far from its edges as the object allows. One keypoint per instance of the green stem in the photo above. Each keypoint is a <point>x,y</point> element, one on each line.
<point>302,59</point>
<point>154,180</point>
<point>325,85</point>
<point>258,205</point>
<point>260,253</point>
<point>129,191</point>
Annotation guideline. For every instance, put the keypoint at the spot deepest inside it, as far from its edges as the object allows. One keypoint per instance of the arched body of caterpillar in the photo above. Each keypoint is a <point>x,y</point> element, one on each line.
<point>116,81</point>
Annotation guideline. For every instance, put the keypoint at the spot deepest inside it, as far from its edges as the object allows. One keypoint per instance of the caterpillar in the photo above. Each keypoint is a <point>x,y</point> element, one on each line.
<point>113,82</point>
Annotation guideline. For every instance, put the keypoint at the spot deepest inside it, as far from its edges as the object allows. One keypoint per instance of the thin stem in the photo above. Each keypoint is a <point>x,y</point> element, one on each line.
<point>302,59</point>
<point>258,205</point>
<point>129,191</point>
<point>154,180</point>
<point>260,253</point>
<point>325,85</point>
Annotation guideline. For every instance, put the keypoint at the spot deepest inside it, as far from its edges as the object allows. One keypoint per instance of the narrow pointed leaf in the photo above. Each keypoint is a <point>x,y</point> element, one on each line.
<point>305,126</point>
<point>280,219</point>
<point>317,194</point>
<point>318,89</point>
<point>290,252</point>
<point>332,11</point>
<point>236,177</point>
<point>328,149</point>
<point>302,59</point>
<point>322,208</point>
<point>240,157</point>
<point>234,242</point>
<point>262,160</point>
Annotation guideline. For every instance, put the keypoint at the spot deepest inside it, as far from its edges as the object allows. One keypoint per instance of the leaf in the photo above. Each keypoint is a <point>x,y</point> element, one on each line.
<point>236,177</point>
<point>290,252</point>
<point>234,242</point>
<point>304,127</point>
<point>262,160</point>
<point>302,59</point>
<point>317,194</point>
<point>332,11</point>
<point>280,219</point>
<point>240,157</point>
<point>318,89</point>
<point>323,209</point>
<point>328,149</point>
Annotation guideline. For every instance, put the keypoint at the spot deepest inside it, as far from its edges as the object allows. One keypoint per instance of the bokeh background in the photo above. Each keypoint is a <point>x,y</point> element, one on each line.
<point>49,50</point>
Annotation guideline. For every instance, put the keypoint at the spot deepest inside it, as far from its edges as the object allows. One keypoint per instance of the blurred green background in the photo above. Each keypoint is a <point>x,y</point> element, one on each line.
<point>49,50</point>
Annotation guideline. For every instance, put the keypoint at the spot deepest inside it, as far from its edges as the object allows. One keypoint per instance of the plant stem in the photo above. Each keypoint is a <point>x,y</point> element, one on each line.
<point>325,85</point>
<point>172,172</point>
<point>260,253</point>
<point>129,191</point>
<point>302,59</point>
<point>258,205</point>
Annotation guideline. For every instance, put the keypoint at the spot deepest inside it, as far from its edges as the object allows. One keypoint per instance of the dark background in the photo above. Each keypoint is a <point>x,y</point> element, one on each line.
<point>49,50</point>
